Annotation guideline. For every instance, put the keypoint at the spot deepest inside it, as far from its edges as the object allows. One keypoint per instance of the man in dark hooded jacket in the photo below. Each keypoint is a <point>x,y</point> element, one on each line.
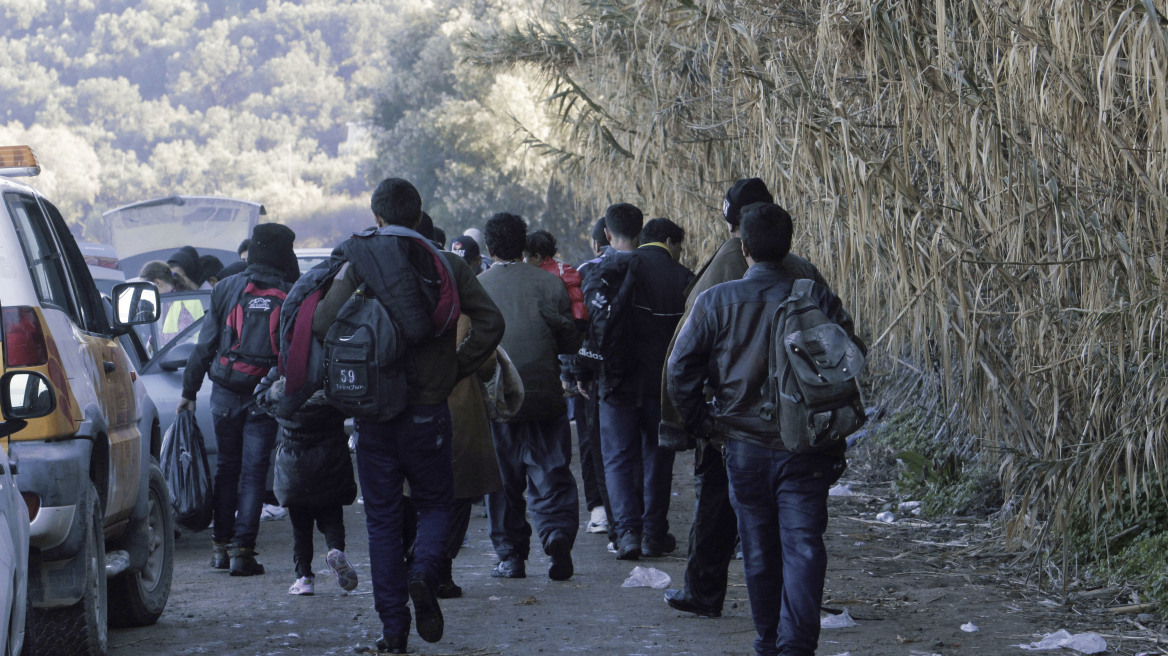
<point>244,432</point>
<point>714,530</point>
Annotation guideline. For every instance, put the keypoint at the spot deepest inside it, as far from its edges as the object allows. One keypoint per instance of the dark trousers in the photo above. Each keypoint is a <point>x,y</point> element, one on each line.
<point>414,447</point>
<point>245,436</point>
<point>781,500</point>
<point>639,473</point>
<point>331,522</point>
<point>592,454</point>
<point>459,522</point>
<point>536,457</point>
<point>714,531</point>
<point>578,412</point>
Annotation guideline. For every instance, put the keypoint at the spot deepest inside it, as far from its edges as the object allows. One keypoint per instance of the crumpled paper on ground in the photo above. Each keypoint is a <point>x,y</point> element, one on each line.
<point>646,577</point>
<point>842,621</point>
<point>841,490</point>
<point>1087,643</point>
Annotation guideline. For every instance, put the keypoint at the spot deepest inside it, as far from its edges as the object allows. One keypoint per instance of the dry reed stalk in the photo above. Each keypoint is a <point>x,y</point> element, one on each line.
<point>983,181</point>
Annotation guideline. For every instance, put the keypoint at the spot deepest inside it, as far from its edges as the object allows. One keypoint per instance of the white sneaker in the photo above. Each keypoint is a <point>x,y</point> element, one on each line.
<point>303,586</point>
<point>611,548</point>
<point>271,513</point>
<point>599,521</point>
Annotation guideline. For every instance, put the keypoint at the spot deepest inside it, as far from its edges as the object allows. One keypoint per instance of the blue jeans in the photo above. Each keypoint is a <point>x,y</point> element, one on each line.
<point>245,435</point>
<point>781,501</point>
<point>637,472</point>
<point>414,447</point>
<point>534,457</point>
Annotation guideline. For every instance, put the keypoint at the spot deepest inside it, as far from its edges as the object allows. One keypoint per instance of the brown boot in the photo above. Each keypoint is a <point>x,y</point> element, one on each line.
<point>243,562</point>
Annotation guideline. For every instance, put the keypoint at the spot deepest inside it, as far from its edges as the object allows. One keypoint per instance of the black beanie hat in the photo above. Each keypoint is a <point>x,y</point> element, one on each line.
<point>468,249</point>
<point>598,235</point>
<point>743,193</point>
<point>187,258</point>
<point>271,245</point>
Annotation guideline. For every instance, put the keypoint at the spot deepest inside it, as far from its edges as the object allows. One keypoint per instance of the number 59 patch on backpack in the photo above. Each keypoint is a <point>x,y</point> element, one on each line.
<point>812,391</point>
<point>248,341</point>
<point>364,373</point>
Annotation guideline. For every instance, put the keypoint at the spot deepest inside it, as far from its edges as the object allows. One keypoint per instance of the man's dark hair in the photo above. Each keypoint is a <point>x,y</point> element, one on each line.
<point>425,227</point>
<point>209,267</point>
<point>541,243</point>
<point>624,220</point>
<point>439,237</point>
<point>766,230</point>
<point>397,202</point>
<point>598,235</point>
<point>506,236</point>
<point>662,230</point>
<point>243,246</point>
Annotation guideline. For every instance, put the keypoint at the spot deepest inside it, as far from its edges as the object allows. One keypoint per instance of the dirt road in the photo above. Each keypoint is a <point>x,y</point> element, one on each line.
<point>910,586</point>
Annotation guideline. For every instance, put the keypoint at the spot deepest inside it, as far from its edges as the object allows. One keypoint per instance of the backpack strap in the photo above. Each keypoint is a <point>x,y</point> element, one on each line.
<point>802,288</point>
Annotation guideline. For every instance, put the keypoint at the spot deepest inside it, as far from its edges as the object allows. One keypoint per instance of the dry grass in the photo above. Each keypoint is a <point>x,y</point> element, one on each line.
<point>983,182</point>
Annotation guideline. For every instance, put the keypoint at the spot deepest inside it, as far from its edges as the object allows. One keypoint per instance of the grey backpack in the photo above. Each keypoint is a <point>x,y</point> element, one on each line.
<point>812,393</point>
<point>364,367</point>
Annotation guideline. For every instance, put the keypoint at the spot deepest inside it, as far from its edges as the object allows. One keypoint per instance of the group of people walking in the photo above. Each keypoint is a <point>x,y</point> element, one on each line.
<point>503,353</point>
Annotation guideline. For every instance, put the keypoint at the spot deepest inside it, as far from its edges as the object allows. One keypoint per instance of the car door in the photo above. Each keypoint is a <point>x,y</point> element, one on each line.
<point>97,369</point>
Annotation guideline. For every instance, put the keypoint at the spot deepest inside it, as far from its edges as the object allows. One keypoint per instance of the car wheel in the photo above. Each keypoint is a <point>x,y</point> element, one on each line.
<point>80,629</point>
<point>138,598</point>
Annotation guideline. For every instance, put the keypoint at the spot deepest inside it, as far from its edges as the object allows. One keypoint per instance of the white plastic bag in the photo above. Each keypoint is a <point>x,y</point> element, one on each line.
<point>1086,643</point>
<point>647,577</point>
<point>842,621</point>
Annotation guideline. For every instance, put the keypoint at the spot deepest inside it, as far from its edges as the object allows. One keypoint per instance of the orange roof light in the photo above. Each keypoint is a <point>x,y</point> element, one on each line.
<point>18,161</point>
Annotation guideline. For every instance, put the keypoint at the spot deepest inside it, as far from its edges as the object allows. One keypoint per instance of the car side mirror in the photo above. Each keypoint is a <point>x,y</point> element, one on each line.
<point>135,303</point>
<point>24,395</point>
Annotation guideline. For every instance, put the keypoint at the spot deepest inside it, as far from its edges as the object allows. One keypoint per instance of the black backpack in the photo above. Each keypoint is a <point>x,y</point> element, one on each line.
<point>249,338</point>
<point>812,393</point>
<point>364,363</point>
<point>608,293</point>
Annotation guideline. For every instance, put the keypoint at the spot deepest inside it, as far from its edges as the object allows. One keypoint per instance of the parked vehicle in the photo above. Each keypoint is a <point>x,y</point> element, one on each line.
<point>306,258</point>
<point>24,395</point>
<point>87,471</point>
<point>154,229</point>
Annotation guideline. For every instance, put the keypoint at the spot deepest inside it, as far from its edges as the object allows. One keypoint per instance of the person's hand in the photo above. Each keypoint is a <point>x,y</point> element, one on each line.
<point>581,390</point>
<point>185,404</point>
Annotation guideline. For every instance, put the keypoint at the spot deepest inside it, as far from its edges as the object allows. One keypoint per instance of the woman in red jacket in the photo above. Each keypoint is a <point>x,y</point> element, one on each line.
<point>541,251</point>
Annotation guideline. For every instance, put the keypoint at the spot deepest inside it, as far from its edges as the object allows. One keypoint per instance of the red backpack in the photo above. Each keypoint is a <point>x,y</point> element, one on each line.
<point>249,340</point>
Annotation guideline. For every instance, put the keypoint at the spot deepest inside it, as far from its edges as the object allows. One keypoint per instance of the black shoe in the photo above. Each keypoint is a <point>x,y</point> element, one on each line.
<point>243,562</point>
<point>680,600</point>
<point>219,557</point>
<point>394,646</point>
<point>448,589</point>
<point>427,613</point>
<point>656,547</point>
<point>560,551</point>
<point>629,547</point>
<point>512,568</point>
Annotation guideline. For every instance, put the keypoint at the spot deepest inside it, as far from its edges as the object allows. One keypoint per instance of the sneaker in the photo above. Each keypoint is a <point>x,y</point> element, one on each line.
<point>652,547</point>
<point>219,557</point>
<point>394,646</point>
<point>243,562</point>
<point>339,564</point>
<point>629,547</point>
<point>303,586</point>
<point>599,521</point>
<point>427,614</point>
<point>612,547</point>
<point>512,568</point>
<point>271,513</point>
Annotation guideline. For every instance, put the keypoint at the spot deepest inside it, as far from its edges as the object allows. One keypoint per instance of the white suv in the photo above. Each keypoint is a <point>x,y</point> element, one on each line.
<point>86,471</point>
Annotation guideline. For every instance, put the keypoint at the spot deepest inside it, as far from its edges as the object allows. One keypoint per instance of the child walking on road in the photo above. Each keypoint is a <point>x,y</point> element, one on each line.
<point>314,481</point>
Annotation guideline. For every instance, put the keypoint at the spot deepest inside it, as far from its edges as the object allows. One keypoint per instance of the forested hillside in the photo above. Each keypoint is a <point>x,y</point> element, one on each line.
<point>297,105</point>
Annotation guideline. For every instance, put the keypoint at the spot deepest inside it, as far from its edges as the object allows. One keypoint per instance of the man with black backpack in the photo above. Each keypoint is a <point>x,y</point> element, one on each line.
<point>778,482</point>
<point>236,348</point>
<point>423,292</point>
<point>636,297</point>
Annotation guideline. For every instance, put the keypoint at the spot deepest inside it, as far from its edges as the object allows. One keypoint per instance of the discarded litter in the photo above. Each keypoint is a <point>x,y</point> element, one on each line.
<point>886,517</point>
<point>1087,643</point>
<point>908,505</point>
<point>646,577</point>
<point>841,621</point>
<point>969,627</point>
<point>841,490</point>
